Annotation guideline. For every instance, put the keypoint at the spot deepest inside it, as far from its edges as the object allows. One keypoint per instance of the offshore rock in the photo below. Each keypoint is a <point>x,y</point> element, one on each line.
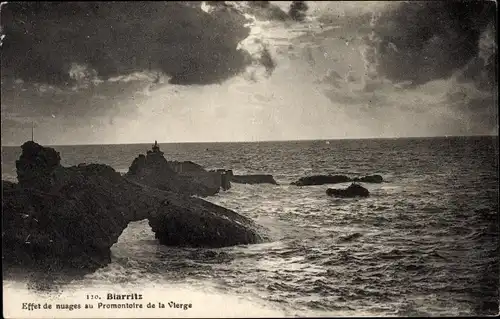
<point>74,217</point>
<point>354,190</point>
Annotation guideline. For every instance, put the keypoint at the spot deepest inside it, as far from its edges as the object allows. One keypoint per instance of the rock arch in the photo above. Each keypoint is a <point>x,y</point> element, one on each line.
<point>71,216</point>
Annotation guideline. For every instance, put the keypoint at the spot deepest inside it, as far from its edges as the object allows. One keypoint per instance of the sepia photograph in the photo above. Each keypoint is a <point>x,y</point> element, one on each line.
<point>222,159</point>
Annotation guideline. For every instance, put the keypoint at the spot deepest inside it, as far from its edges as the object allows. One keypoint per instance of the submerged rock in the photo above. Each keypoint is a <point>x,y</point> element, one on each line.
<point>210,256</point>
<point>350,237</point>
<point>76,214</point>
<point>354,190</point>
<point>254,179</point>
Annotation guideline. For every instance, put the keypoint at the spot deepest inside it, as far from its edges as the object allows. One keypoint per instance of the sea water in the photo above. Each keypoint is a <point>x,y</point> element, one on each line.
<point>424,243</point>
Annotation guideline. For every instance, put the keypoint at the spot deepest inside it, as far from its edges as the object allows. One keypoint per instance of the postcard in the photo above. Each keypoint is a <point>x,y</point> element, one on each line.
<point>216,159</point>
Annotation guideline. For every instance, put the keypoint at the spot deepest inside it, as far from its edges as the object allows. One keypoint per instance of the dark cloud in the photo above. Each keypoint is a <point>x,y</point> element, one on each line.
<point>43,40</point>
<point>264,10</point>
<point>298,10</point>
<point>259,4</point>
<point>420,41</point>
<point>410,46</point>
<point>62,111</point>
<point>483,68</point>
<point>46,100</point>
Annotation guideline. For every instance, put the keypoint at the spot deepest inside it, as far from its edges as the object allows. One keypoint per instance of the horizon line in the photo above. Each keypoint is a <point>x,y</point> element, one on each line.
<point>269,141</point>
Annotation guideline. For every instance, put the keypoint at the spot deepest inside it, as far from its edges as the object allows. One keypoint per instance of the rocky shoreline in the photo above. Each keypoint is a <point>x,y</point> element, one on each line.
<point>59,217</point>
<point>69,217</point>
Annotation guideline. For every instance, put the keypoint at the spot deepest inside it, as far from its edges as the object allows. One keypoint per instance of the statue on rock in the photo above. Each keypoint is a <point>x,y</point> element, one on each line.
<point>156,149</point>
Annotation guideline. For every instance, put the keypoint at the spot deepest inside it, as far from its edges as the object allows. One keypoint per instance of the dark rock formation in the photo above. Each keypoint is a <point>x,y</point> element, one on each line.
<point>180,177</point>
<point>369,179</point>
<point>36,164</point>
<point>155,171</point>
<point>74,222</point>
<point>253,179</point>
<point>215,179</point>
<point>335,179</point>
<point>202,224</point>
<point>225,177</point>
<point>186,167</point>
<point>354,190</point>
<point>76,214</point>
<point>321,179</point>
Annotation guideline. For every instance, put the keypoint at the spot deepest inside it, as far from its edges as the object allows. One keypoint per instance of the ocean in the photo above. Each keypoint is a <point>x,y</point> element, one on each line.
<point>424,243</point>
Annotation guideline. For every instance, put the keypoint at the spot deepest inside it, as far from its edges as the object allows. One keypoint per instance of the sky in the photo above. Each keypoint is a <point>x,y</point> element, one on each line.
<point>220,71</point>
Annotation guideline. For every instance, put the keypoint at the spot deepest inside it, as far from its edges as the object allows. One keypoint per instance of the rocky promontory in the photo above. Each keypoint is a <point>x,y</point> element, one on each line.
<point>190,178</point>
<point>335,179</point>
<point>59,216</point>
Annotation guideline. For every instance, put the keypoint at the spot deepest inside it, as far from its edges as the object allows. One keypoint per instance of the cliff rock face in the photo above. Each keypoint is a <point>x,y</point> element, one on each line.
<point>73,223</point>
<point>71,216</point>
<point>36,164</point>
